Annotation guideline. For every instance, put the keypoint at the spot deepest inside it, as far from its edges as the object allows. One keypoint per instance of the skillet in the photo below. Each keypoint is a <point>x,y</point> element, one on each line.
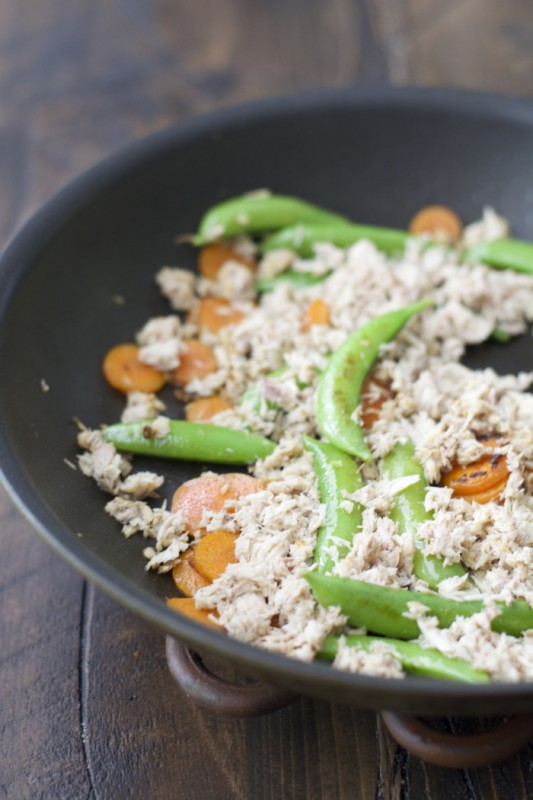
<point>78,278</point>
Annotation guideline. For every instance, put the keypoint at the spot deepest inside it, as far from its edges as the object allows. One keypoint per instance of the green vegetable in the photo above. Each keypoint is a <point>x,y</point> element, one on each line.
<point>512,254</point>
<point>409,512</point>
<point>499,335</point>
<point>258,213</point>
<point>337,474</point>
<point>381,609</point>
<point>299,280</point>
<point>415,660</point>
<point>302,238</point>
<point>190,441</point>
<point>339,388</point>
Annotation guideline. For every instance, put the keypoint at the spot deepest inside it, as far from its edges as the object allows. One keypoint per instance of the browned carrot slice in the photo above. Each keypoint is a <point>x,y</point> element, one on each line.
<point>373,394</point>
<point>123,371</point>
<point>213,256</point>
<point>185,575</point>
<point>209,493</point>
<point>185,605</point>
<point>204,408</point>
<point>317,313</point>
<point>479,476</point>
<point>214,552</point>
<point>489,494</point>
<point>214,313</point>
<point>435,220</point>
<point>197,361</point>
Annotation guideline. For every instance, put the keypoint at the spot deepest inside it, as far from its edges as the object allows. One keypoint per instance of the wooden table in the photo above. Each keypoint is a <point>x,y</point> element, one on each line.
<point>88,708</point>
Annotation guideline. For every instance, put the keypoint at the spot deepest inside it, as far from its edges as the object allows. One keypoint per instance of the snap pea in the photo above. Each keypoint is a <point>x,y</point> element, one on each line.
<point>302,237</point>
<point>339,388</point>
<point>512,254</point>
<point>337,475</point>
<point>299,280</point>
<point>381,609</point>
<point>258,213</point>
<point>190,441</point>
<point>415,660</point>
<point>409,512</point>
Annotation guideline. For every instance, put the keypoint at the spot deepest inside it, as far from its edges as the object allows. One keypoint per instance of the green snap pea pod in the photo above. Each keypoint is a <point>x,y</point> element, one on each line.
<point>339,388</point>
<point>415,660</point>
<point>299,280</point>
<point>512,254</point>
<point>409,512</point>
<point>190,441</point>
<point>302,237</point>
<point>258,213</point>
<point>380,609</point>
<point>337,474</point>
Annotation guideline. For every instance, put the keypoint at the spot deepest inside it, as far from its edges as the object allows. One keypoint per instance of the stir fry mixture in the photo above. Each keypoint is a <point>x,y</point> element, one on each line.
<point>380,515</point>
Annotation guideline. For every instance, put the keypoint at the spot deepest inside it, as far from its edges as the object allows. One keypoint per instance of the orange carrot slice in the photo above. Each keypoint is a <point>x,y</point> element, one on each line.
<point>123,371</point>
<point>214,552</point>
<point>317,313</point>
<point>185,605</point>
<point>213,256</point>
<point>373,394</point>
<point>479,476</point>
<point>204,408</point>
<point>197,361</point>
<point>209,493</point>
<point>435,220</point>
<point>214,313</point>
<point>490,494</point>
<point>185,575</point>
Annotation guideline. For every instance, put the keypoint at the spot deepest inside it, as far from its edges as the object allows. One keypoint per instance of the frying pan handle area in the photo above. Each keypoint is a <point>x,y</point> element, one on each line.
<point>217,695</point>
<point>455,750</point>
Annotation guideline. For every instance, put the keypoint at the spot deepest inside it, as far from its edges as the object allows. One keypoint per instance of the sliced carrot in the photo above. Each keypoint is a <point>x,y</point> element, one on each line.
<point>214,313</point>
<point>123,371</point>
<point>317,313</point>
<point>373,394</point>
<point>479,476</point>
<point>185,575</point>
<point>197,361</point>
<point>185,605</point>
<point>209,493</point>
<point>214,552</point>
<point>204,408</point>
<point>490,494</point>
<point>213,256</point>
<point>435,220</point>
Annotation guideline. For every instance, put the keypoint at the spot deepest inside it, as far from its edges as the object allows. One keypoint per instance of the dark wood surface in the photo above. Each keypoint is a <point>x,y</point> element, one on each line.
<point>87,706</point>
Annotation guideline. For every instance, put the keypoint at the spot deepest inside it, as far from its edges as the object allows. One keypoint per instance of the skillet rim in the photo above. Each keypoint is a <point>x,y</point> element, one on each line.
<point>316,678</point>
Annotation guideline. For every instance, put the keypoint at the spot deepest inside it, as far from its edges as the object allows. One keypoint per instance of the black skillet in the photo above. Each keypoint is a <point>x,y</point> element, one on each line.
<point>375,156</point>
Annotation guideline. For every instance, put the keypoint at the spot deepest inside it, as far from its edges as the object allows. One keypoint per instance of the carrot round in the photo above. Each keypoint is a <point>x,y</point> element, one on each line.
<point>479,476</point>
<point>435,220</point>
<point>213,256</point>
<point>317,313</point>
<point>197,361</point>
<point>214,552</point>
<point>123,371</point>
<point>204,408</point>
<point>185,605</point>
<point>490,494</point>
<point>209,493</point>
<point>214,313</point>
<point>373,394</point>
<point>185,575</point>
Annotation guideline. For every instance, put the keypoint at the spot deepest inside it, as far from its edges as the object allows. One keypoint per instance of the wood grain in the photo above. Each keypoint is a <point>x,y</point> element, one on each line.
<point>88,708</point>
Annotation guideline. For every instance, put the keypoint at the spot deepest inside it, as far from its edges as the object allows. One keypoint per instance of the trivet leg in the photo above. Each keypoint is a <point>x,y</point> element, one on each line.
<point>459,752</point>
<point>216,694</point>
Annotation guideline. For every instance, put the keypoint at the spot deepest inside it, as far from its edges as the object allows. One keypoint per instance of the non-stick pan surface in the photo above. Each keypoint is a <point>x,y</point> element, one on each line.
<point>376,156</point>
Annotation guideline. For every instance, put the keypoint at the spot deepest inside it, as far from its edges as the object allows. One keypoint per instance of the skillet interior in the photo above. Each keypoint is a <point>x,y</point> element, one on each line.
<point>374,156</point>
